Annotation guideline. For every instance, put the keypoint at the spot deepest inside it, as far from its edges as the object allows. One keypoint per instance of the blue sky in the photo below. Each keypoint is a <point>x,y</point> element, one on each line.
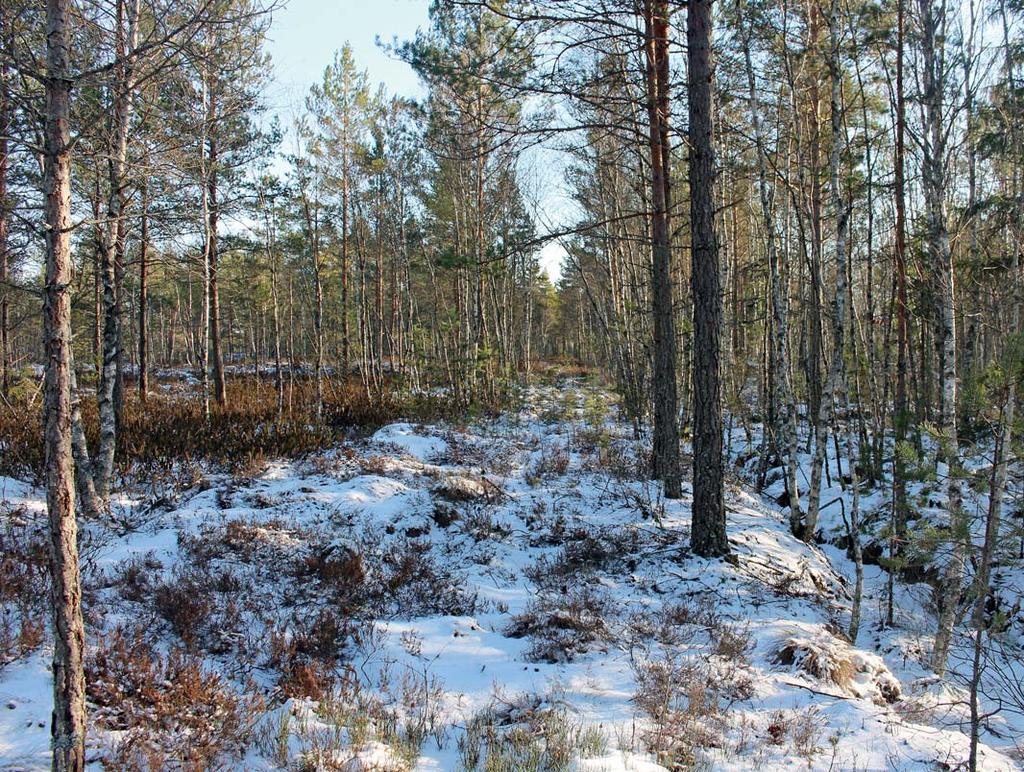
<point>304,36</point>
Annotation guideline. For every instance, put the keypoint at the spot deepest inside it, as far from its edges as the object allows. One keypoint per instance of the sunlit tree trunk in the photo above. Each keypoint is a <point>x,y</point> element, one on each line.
<point>126,32</point>
<point>940,256</point>
<point>68,720</point>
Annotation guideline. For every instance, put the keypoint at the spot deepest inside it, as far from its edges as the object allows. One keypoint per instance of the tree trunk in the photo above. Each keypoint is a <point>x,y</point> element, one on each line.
<point>68,720</point>
<point>216,348</point>
<point>901,411</point>
<point>144,300</point>
<point>665,457</point>
<point>835,380</point>
<point>126,34</point>
<point>941,258</point>
<point>785,424</point>
<point>5,130</point>
<point>346,344</point>
<point>708,535</point>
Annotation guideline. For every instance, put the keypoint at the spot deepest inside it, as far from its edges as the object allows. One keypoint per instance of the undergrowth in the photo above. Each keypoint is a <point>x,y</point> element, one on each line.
<point>171,430</point>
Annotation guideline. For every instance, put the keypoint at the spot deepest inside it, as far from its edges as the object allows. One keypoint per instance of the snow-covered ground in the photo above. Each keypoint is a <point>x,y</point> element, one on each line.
<point>508,593</point>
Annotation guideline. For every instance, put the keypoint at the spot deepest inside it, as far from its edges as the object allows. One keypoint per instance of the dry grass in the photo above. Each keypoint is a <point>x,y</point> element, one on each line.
<point>830,660</point>
<point>823,663</point>
<point>527,733</point>
<point>171,431</point>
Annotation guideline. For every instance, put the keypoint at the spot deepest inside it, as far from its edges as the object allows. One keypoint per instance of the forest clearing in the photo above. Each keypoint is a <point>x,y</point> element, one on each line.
<point>506,385</point>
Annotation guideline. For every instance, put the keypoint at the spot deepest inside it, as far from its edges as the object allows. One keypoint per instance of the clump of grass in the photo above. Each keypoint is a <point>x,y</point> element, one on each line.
<point>349,721</point>
<point>830,660</point>
<point>527,733</point>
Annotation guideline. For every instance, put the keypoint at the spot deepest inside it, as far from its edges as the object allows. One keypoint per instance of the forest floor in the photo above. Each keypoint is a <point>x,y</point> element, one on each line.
<point>509,594</point>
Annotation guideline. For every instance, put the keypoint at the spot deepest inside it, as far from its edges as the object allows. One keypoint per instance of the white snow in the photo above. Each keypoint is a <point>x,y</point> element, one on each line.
<point>521,521</point>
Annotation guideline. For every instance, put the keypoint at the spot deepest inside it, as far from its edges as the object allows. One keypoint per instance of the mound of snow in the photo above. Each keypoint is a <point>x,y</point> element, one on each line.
<point>411,441</point>
<point>456,487</point>
<point>829,659</point>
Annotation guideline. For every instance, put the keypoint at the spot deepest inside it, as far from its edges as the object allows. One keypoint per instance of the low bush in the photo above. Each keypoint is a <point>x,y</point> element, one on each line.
<point>171,711</point>
<point>563,626</point>
<point>24,586</point>
<point>171,430</point>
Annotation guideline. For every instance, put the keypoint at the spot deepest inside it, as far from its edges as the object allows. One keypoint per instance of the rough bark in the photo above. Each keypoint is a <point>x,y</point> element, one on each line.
<point>708,537</point>
<point>68,719</point>
<point>665,456</point>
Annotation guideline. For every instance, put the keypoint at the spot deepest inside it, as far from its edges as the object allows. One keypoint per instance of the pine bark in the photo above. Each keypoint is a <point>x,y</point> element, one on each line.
<point>708,536</point>
<point>665,457</point>
<point>68,724</point>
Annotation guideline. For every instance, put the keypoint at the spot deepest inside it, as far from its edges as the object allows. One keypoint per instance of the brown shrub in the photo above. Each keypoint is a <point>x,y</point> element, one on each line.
<point>309,679</point>
<point>186,602</point>
<point>563,626</point>
<point>339,571</point>
<point>171,431</point>
<point>407,578</point>
<point>24,586</point>
<point>173,712</point>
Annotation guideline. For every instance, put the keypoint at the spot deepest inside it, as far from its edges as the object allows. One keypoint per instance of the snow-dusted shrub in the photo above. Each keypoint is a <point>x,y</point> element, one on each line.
<point>683,706</point>
<point>167,711</point>
<point>562,626</point>
<point>24,585</point>
<point>406,579</point>
<point>583,550</point>
<point>826,658</point>
<point>551,462</point>
<point>481,525</point>
<point>186,601</point>
<point>800,728</point>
